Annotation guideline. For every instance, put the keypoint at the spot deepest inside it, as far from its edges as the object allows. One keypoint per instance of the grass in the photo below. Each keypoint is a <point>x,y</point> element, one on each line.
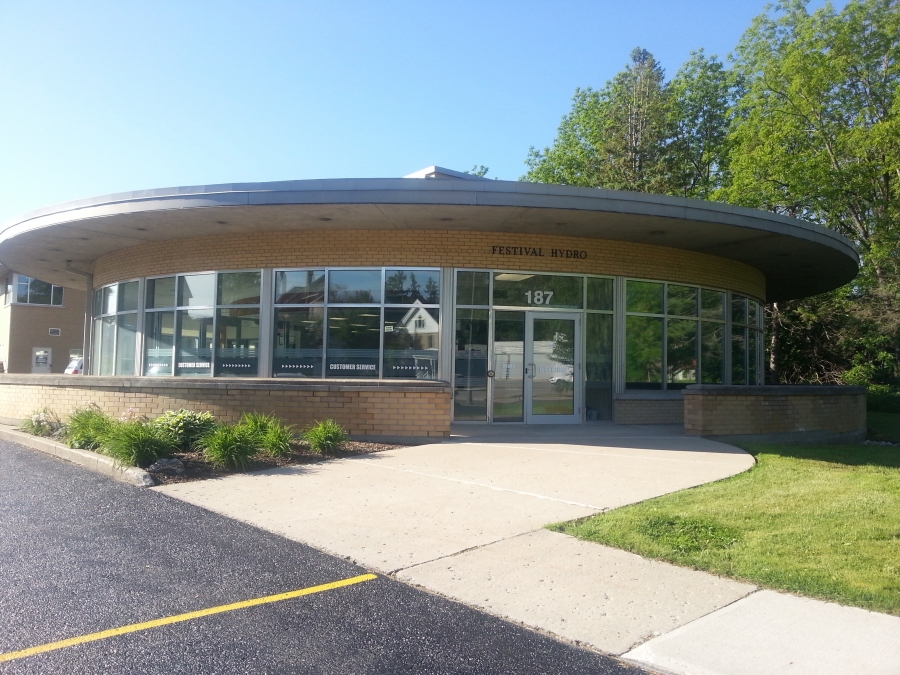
<point>820,521</point>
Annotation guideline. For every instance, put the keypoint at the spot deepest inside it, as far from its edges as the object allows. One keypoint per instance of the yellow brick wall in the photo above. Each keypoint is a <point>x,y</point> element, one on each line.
<point>371,412</point>
<point>432,248</point>
<point>735,414</point>
<point>29,326</point>
<point>648,411</point>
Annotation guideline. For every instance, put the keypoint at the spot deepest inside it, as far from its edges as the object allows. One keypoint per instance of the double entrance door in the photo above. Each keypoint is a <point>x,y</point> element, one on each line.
<point>536,373</point>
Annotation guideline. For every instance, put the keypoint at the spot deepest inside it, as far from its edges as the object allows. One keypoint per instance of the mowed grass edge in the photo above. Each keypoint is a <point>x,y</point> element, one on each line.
<point>820,521</point>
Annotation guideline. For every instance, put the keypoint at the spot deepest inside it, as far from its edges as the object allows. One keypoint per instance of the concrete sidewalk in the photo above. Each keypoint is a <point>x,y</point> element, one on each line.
<point>465,519</point>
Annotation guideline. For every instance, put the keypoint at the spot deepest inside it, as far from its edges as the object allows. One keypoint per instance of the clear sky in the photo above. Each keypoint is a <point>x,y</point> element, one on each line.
<point>101,97</point>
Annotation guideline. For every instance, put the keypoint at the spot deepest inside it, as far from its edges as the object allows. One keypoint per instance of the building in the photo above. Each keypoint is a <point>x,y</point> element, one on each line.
<point>435,297</point>
<point>41,325</point>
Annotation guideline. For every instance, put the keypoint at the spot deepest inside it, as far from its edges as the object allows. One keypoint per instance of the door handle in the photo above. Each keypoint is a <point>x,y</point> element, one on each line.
<point>529,370</point>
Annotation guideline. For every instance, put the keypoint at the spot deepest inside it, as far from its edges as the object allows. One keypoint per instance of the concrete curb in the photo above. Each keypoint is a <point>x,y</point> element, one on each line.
<point>89,460</point>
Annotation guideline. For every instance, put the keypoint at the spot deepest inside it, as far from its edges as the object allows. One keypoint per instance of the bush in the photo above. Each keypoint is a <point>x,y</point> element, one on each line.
<point>325,436</point>
<point>87,427</point>
<point>43,422</point>
<point>269,433</point>
<point>185,427</point>
<point>228,446</point>
<point>881,398</point>
<point>136,443</point>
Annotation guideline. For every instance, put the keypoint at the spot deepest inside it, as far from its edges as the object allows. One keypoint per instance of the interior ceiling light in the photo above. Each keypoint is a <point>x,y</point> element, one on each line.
<point>508,276</point>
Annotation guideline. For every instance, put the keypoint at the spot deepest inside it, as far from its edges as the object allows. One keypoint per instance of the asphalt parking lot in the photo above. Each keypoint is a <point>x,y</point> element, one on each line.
<point>83,554</point>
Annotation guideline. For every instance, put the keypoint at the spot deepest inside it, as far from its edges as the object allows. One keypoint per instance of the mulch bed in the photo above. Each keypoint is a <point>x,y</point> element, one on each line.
<point>197,468</point>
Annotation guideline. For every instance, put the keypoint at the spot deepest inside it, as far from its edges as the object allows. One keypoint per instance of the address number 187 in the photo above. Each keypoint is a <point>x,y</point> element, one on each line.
<point>538,297</point>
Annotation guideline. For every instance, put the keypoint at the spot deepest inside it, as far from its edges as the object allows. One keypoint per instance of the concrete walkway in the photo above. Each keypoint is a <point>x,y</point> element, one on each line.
<point>465,519</point>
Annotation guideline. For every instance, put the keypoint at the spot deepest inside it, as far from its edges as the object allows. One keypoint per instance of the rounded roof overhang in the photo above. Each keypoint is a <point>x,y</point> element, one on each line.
<point>798,258</point>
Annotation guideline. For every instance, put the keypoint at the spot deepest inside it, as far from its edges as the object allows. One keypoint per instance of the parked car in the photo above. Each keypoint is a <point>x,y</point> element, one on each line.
<point>75,367</point>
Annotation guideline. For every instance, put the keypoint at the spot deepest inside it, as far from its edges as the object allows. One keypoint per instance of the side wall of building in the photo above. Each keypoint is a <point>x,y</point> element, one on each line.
<point>25,327</point>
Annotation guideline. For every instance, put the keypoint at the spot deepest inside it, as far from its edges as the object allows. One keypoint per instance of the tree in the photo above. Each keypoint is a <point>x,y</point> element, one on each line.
<point>613,138</point>
<point>815,136</point>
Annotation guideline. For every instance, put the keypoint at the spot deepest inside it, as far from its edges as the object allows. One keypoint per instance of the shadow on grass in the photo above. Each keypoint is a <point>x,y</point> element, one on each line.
<point>849,455</point>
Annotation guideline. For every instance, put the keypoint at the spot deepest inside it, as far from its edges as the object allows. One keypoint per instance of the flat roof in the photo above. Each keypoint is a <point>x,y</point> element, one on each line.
<point>798,258</point>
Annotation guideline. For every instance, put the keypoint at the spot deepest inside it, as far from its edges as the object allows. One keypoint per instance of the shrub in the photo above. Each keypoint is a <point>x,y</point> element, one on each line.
<point>136,443</point>
<point>325,436</point>
<point>87,427</point>
<point>882,398</point>
<point>43,422</point>
<point>185,427</point>
<point>228,446</point>
<point>269,433</point>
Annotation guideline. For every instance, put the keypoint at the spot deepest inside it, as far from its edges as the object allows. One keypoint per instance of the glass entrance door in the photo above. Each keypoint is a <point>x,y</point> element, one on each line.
<point>536,374</point>
<point>553,376</point>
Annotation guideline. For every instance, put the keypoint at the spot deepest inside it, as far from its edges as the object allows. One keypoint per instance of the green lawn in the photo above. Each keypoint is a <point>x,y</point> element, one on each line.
<point>818,521</point>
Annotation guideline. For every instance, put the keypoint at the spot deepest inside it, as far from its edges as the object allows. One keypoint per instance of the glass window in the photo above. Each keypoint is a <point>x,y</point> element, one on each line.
<point>738,309</point>
<point>353,342</point>
<point>538,290</point>
<point>643,352</point>
<point>126,340</point>
<point>193,341</point>
<point>405,287</point>
<point>300,287</point>
<point>411,341</point>
<point>238,288</point>
<point>237,342</point>
<point>473,288</point>
<point>109,302</point>
<point>712,340</point>
<point>196,290</point>
<point>107,345</point>
<point>599,293</point>
<point>681,300</point>
<point>598,364</point>
<point>752,313</point>
<point>681,353</point>
<point>643,296</point>
<point>160,293</point>
<point>471,353</point>
<point>22,289</point>
<point>128,297</point>
<point>39,292</point>
<point>57,296</point>
<point>298,342</point>
<point>752,340</point>
<point>712,304</point>
<point>509,357</point>
<point>738,355</point>
<point>159,340</point>
<point>95,356</point>
<point>354,286</point>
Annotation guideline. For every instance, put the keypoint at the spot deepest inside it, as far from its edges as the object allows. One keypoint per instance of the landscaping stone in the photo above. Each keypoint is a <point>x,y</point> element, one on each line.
<point>171,467</point>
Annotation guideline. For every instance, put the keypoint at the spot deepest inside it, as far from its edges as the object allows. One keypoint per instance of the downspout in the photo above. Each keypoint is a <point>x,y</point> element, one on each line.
<point>88,313</point>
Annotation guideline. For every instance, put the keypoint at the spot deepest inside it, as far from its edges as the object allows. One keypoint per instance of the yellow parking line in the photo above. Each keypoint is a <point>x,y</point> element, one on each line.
<point>165,621</point>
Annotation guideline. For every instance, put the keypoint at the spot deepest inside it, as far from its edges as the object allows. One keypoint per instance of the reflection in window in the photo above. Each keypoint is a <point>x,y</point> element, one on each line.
<point>712,304</point>
<point>126,342</point>
<point>538,290</point>
<point>473,288</point>
<point>128,296</point>
<point>681,300</point>
<point>599,293</point>
<point>30,291</point>
<point>645,297</point>
<point>354,286</point>
<point>643,352</point>
<point>681,353</point>
<point>738,355</point>
<point>298,342</point>
<point>237,342</point>
<point>598,356</point>
<point>300,287</point>
<point>196,290</point>
<point>160,293</point>
<point>738,309</point>
<point>108,342</point>
<point>471,353</point>
<point>509,356</point>
<point>411,341</point>
<point>752,367</point>
<point>193,342</point>
<point>712,341</point>
<point>159,341</point>
<point>353,342</point>
<point>405,287</point>
<point>238,288</point>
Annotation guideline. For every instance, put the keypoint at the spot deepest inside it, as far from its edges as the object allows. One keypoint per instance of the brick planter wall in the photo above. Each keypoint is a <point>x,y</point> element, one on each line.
<point>405,409</point>
<point>648,410</point>
<point>791,413</point>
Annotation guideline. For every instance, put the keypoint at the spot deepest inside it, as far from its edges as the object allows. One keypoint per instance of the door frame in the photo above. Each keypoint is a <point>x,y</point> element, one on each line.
<point>577,369</point>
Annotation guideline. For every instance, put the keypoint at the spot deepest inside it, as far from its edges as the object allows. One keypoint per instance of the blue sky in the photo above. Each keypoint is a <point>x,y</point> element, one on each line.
<point>103,97</point>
